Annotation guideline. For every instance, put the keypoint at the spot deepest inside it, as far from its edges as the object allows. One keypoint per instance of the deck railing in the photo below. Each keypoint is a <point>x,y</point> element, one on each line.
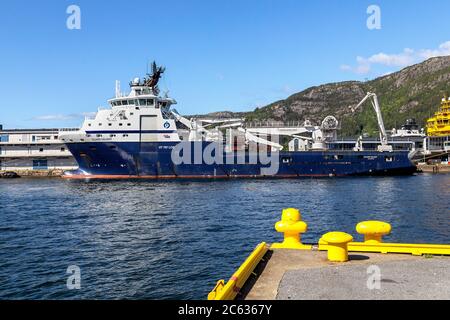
<point>275,124</point>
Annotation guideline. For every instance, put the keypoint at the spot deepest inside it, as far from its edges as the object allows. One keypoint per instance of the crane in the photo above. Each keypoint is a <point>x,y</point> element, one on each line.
<point>196,131</point>
<point>251,137</point>
<point>384,147</point>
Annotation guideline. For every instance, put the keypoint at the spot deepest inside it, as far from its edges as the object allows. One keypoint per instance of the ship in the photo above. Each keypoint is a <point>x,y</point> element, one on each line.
<point>409,130</point>
<point>439,124</point>
<point>141,135</point>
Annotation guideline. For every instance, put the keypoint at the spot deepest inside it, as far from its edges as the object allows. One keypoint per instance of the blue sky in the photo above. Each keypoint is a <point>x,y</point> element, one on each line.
<point>220,55</point>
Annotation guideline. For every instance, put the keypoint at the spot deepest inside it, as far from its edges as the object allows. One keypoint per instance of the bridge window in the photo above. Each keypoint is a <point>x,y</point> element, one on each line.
<point>130,102</point>
<point>124,102</point>
<point>142,102</point>
<point>150,102</point>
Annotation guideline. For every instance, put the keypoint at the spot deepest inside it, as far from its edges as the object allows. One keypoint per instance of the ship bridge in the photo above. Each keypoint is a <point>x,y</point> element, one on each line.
<point>140,116</point>
<point>143,93</point>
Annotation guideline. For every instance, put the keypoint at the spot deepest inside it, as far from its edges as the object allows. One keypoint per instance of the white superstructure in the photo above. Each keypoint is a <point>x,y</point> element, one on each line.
<point>34,149</point>
<point>139,116</point>
<point>142,116</point>
<point>409,130</point>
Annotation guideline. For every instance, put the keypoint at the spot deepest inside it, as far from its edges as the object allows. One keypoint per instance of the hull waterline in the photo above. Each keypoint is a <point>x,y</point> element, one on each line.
<point>154,161</point>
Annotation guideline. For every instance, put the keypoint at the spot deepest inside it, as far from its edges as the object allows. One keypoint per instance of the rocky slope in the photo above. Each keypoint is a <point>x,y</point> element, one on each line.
<point>413,92</point>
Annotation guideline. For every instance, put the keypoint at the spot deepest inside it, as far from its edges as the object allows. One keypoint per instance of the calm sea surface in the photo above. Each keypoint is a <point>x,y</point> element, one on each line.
<point>174,240</point>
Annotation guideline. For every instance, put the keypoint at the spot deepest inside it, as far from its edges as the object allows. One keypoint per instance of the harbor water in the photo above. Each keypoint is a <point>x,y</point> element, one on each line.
<point>175,239</point>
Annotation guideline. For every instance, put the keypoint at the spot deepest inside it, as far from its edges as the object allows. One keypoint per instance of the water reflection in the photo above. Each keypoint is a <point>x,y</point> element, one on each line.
<point>173,240</point>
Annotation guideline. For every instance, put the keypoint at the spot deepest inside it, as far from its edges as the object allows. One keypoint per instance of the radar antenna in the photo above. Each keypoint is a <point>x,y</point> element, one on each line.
<point>153,79</point>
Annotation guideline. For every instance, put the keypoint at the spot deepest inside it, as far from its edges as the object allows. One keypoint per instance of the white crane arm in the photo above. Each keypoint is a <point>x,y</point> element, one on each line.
<point>251,137</point>
<point>368,96</point>
<point>376,107</point>
<point>231,125</point>
<point>183,120</point>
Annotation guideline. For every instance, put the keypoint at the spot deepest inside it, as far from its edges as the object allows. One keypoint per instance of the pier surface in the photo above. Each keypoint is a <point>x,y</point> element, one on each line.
<point>307,275</point>
<point>37,173</point>
<point>435,168</point>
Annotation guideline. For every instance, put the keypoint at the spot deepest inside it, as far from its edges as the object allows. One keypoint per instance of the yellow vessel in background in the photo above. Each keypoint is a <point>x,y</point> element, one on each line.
<point>439,125</point>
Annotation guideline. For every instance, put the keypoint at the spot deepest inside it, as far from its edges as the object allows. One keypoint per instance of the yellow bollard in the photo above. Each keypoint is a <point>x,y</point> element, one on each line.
<point>292,226</point>
<point>337,245</point>
<point>373,231</point>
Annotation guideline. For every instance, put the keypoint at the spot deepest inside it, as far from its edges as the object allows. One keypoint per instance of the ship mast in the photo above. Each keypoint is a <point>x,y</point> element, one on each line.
<point>152,79</point>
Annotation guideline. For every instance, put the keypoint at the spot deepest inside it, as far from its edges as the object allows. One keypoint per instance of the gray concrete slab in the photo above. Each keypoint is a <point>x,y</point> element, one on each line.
<point>418,278</point>
<point>282,261</point>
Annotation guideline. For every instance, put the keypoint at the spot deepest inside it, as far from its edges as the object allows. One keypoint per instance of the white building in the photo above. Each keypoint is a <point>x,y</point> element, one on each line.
<point>34,149</point>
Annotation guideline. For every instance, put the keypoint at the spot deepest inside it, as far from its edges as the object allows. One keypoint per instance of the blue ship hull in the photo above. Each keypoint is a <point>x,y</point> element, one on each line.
<point>153,160</point>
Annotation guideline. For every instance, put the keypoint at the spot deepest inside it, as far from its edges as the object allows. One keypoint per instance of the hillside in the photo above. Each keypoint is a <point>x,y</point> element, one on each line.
<point>413,92</point>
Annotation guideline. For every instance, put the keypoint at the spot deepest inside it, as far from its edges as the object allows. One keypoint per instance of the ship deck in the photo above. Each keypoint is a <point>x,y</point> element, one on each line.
<point>306,275</point>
